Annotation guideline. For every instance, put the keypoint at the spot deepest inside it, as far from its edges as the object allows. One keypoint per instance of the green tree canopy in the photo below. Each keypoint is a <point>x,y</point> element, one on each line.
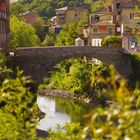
<point>44,8</point>
<point>48,41</point>
<point>39,27</point>
<point>22,34</point>
<point>68,35</point>
<point>18,111</point>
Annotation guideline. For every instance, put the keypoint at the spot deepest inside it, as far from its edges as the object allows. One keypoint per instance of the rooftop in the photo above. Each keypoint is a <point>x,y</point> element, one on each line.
<point>70,8</point>
<point>104,22</point>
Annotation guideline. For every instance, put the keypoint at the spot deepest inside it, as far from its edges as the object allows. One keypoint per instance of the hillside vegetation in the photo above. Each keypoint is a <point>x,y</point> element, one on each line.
<point>46,8</point>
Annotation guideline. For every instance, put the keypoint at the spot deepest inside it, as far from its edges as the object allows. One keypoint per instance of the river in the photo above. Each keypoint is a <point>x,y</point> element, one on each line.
<point>60,111</point>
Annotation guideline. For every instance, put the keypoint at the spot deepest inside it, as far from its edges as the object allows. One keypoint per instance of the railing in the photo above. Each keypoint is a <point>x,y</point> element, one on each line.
<point>102,34</point>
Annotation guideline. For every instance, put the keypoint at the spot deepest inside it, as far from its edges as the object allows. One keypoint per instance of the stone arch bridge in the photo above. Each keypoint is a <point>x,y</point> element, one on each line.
<point>36,62</point>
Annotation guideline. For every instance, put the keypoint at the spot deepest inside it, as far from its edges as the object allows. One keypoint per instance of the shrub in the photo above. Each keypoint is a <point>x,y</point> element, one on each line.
<point>18,111</point>
<point>112,41</point>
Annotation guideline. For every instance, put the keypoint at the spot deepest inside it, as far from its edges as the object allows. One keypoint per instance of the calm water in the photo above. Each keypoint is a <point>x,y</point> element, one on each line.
<point>60,111</point>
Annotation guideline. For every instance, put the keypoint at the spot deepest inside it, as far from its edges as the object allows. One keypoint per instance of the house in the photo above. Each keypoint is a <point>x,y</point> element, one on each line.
<point>130,25</point>
<point>4,26</point>
<point>79,42</point>
<point>66,15</point>
<point>120,18</point>
<point>101,24</point>
<point>54,25</point>
<point>70,13</point>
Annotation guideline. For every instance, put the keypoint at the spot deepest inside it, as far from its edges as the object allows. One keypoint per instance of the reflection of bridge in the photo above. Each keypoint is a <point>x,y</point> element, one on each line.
<point>37,61</point>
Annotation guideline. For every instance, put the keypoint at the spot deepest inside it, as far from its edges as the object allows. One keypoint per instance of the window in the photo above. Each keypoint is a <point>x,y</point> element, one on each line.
<point>118,29</point>
<point>95,30</point>
<point>110,30</point>
<point>118,5</point>
<point>132,15</point>
<point>97,18</point>
<point>137,16</point>
<point>96,42</point>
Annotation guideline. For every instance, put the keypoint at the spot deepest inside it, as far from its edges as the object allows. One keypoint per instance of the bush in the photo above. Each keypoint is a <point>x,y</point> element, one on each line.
<point>112,41</point>
<point>118,121</point>
<point>49,40</point>
<point>18,111</point>
<point>22,34</point>
<point>75,76</point>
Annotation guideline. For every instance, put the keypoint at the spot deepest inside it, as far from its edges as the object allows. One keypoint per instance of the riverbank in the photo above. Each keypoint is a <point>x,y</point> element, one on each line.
<point>63,94</point>
<point>56,93</point>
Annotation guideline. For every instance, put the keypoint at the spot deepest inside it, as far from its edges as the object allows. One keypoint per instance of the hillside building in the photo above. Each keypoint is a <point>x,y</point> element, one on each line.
<point>101,25</point>
<point>130,25</point>
<point>66,15</point>
<point>120,18</point>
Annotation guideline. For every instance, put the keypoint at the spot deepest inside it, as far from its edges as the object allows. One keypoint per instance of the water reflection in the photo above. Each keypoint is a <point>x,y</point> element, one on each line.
<point>53,117</point>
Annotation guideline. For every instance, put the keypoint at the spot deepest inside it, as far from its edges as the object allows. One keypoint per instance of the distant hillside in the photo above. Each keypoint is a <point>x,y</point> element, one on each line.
<point>46,8</point>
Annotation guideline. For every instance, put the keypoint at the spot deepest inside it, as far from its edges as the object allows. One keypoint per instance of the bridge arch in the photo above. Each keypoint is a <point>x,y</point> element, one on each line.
<point>37,61</point>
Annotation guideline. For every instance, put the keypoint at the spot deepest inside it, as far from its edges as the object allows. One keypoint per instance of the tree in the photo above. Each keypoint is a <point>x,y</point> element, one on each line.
<point>38,24</point>
<point>112,41</point>
<point>49,40</point>
<point>119,121</point>
<point>96,5</point>
<point>68,35</point>
<point>22,34</point>
<point>17,8</point>
<point>18,111</point>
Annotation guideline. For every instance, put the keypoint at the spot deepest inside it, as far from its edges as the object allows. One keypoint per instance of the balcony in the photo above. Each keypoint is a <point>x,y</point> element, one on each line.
<point>101,35</point>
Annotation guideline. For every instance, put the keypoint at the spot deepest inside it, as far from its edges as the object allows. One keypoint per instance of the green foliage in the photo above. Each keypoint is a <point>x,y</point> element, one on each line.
<point>49,40</point>
<point>97,5</point>
<point>17,8</point>
<point>69,132</point>
<point>119,121</point>
<point>77,76</point>
<point>73,76</point>
<point>39,27</point>
<point>41,7</point>
<point>18,111</point>
<point>68,35</point>
<point>114,123</point>
<point>112,41</point>
<point>22,34</point>
<point>83,21</point>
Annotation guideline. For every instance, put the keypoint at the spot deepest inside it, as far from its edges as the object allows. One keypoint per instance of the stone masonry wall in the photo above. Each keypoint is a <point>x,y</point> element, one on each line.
<point>37,62</point>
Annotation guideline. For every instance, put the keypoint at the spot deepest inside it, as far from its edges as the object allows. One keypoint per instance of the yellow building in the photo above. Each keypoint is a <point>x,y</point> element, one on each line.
<point>69,14</point>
